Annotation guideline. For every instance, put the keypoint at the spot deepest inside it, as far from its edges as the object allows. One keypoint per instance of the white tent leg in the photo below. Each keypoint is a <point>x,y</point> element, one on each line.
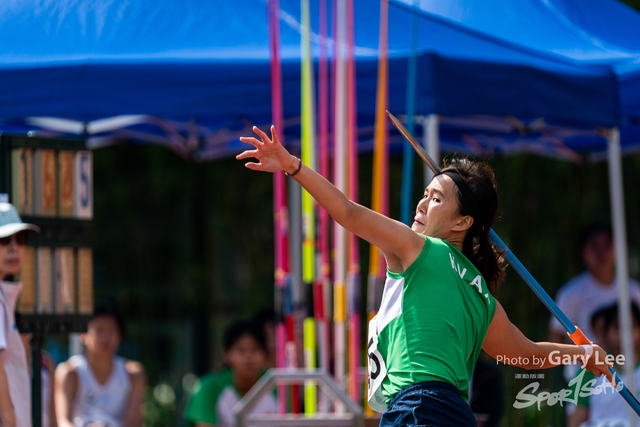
<point>431,141</point>
<point>622,268</point>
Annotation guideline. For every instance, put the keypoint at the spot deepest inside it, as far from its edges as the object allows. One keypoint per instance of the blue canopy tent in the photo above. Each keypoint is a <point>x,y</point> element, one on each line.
<point>600,33</point>
<point>193,76</point>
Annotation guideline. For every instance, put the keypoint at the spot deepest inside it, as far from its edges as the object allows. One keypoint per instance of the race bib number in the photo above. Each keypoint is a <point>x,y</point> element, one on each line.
<point>377,369</point>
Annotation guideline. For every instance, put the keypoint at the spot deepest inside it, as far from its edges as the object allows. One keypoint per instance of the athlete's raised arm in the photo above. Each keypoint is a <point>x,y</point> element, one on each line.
<point>398,242</point>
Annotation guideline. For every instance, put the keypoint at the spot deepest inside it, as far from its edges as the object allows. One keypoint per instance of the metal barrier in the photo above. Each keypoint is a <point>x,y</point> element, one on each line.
<point>353,418</point>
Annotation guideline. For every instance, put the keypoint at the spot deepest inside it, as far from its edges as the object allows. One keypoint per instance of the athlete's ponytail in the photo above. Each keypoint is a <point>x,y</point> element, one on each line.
<point>478,197</point>
<point>487,260</point>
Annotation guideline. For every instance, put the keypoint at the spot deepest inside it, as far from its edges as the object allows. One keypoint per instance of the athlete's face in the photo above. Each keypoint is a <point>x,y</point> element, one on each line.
<point>437,212</point>
<point>11,254</point>
<point>103,336</point>
<point>246,358</point>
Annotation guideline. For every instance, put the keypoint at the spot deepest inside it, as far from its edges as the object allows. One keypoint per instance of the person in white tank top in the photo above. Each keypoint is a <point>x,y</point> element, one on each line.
<point>100,388</point>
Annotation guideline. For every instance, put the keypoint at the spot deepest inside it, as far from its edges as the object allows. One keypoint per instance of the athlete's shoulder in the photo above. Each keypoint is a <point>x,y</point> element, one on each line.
<point>435,241</point>
<point>445,247</point>
<point>436,246</point>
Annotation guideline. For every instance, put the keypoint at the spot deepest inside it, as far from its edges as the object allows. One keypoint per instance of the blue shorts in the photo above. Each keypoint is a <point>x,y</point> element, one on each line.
<point>428,404</point>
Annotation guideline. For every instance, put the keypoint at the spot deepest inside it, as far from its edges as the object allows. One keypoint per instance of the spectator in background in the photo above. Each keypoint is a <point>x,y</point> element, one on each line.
<point>266,318</point>
<point>608,408</point>
<point>245,352</point>
<point>596,287</point>
<point>15,394</point>
<point>589,291</point>
<point>100,388</point>
<point>599,325</point>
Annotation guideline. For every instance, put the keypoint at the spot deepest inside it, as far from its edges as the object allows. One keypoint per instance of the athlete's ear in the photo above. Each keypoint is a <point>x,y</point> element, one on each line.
<point>463,223</point>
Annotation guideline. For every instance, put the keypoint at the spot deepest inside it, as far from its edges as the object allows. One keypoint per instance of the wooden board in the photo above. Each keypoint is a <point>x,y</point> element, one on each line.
<point>22,195</point>
<point>65,184</point>
<point>45,182</point>
<point>65,275</point>
<point>85,280</point>
<point>44,281</point>
<point>27,275</point>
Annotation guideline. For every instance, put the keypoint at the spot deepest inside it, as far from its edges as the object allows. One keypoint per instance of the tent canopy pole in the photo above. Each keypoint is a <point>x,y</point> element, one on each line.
<point>614,158</point>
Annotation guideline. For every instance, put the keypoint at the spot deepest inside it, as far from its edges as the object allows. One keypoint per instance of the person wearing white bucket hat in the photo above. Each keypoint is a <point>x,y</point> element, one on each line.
<point>15,395</point>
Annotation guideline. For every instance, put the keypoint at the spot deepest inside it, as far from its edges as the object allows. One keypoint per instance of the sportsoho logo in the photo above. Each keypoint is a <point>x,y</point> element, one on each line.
<point>577,388</point>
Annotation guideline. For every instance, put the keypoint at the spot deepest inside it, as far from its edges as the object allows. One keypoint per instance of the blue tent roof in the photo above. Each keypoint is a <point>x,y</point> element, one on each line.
<point>196,67</point>
<point>608,21</point>
<point>601,37</point>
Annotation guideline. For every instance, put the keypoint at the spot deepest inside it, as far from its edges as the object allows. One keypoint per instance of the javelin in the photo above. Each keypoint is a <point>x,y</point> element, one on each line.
<point>576,335</point>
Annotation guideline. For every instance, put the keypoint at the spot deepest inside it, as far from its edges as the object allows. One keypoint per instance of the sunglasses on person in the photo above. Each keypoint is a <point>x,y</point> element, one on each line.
<point>20,238</point>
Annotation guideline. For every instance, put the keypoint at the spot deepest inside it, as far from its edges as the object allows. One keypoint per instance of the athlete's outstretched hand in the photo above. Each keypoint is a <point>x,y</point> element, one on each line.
<point>270,153</point>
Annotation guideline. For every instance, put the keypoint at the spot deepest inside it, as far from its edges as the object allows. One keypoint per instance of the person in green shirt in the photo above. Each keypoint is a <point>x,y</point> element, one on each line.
<point>245,353</point>
<point>437,311</point>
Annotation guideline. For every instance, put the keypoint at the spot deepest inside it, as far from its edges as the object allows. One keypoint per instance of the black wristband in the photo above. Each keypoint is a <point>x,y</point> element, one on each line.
<point>297,170</point>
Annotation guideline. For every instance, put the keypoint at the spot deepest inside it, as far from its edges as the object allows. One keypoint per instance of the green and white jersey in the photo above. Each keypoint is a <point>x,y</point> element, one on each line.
<point>431,325</point>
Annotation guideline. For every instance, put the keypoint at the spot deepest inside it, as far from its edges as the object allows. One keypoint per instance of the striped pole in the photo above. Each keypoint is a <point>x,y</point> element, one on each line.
<point>377,267</point>
<point>279,196</point>
<point>322,283</point>
<point>339,233</point>
<point>308,156</point>
<point>408,155</point>
<point>353,276</point>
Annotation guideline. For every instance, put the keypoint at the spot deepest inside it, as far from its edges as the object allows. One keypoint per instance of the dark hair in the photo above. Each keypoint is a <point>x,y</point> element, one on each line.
<point>107,309</point>
<point>592,230</point>
<point>264,316</point>
<point>240,328</point>
<point>601,313</point>
<point>610,315</point>
<point>482,206</point>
